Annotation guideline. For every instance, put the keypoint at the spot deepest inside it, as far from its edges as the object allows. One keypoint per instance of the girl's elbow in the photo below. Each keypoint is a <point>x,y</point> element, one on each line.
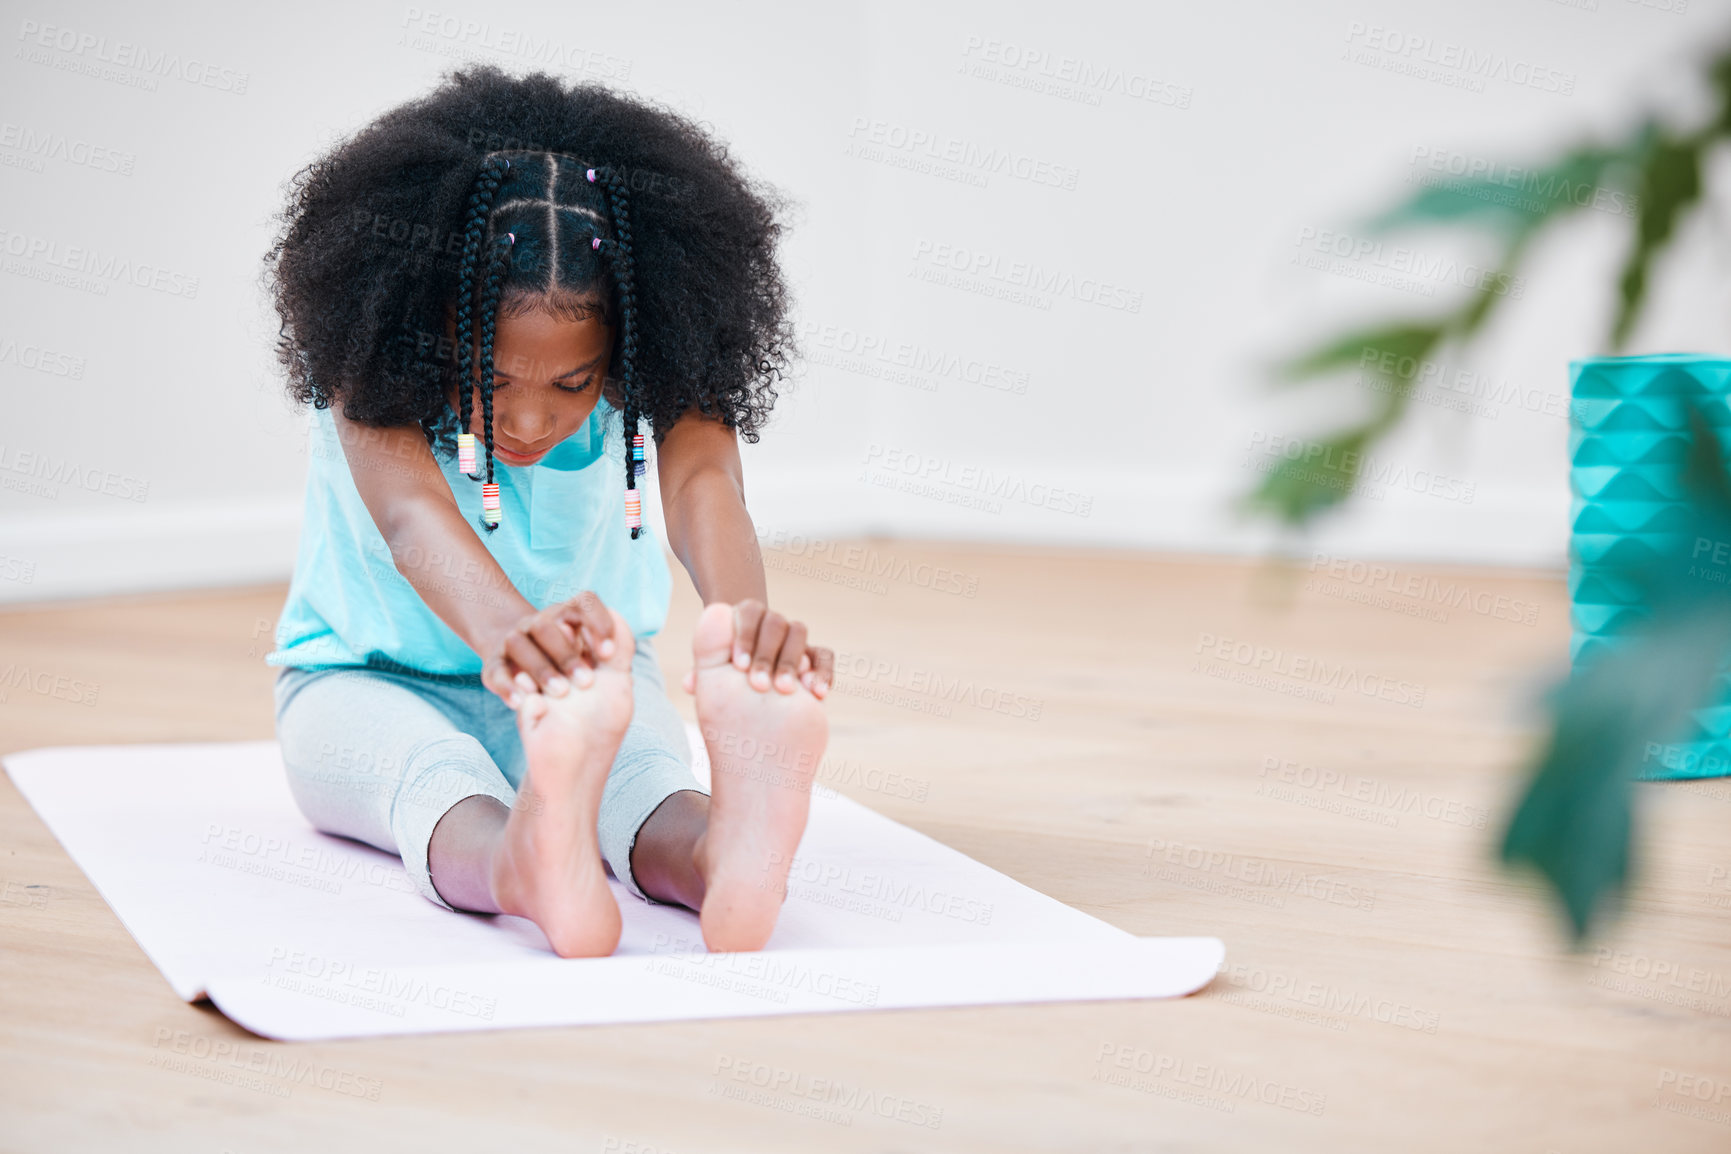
<point>704,488</point>
<point>406,520</point>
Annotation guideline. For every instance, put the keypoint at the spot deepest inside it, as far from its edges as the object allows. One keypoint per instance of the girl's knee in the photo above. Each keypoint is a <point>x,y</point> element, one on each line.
<point>450,763</point>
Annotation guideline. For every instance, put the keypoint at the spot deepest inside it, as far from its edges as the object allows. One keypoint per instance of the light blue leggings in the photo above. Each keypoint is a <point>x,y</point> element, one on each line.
<point>381,754</point>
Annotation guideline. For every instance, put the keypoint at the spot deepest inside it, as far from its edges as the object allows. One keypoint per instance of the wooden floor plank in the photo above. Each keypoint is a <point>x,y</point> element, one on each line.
<point>1076,720</point>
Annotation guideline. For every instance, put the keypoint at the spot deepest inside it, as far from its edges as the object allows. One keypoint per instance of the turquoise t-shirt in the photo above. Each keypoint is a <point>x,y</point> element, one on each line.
<point>563,532</point>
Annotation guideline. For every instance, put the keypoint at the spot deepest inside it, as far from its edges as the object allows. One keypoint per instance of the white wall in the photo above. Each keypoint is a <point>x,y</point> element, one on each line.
<point>1261,127</point>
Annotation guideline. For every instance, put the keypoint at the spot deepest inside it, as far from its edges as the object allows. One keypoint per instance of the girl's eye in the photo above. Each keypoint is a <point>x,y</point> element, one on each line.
<point>497,385</point>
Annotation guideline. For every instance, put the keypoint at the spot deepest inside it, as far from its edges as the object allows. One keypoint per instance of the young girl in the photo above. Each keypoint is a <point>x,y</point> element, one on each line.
<point>534,270</point>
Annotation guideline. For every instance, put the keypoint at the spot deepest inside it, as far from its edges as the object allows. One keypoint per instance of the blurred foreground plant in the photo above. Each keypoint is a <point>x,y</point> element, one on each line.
<point>1575,822</point>
<point>1657,169</point>
<point>1574,825</point>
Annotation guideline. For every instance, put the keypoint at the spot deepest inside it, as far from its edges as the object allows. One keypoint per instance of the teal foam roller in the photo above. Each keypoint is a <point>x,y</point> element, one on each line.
<point>1627,415</point>
<point>1679,761</point>
<point>1613,549</point>
<point>1641,484</point>
<point>1645,415</point>
<point>1627,516</point>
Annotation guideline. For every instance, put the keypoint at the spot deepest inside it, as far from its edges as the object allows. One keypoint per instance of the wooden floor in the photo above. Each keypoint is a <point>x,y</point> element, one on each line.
<point>1168,761</point>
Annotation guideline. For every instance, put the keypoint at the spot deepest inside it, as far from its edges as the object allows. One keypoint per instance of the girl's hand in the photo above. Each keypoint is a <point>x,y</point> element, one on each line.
<point>546,651</point>
<point>773,649</point>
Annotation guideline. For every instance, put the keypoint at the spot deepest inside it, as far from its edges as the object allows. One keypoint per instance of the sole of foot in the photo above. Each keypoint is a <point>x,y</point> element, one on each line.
<point>764,748</point>
<point>549,867</point>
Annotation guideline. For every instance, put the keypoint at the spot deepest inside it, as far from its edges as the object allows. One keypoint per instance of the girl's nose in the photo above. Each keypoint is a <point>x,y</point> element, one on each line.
<point>525,425</point>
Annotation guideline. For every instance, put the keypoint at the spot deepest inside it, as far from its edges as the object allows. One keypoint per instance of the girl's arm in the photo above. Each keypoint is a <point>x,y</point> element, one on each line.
<point>439,553</point>
<point>709,530</point>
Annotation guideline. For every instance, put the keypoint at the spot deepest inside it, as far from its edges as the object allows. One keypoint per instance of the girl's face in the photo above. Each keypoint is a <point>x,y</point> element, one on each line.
<point>547,374</point>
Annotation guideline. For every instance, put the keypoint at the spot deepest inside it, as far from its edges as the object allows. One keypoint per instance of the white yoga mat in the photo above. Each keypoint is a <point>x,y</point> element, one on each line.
<point>296,935</point>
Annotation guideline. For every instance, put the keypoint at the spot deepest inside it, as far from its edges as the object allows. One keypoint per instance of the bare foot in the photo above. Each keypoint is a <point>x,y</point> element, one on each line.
<point>548,867</point>
<point>764,747</point>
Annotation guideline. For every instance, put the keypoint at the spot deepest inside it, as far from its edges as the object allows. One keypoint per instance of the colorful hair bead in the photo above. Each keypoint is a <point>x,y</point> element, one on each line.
<point>634,509</point>
<point>638,466</point>
<point>466,452</point>
<point>591,176</point>
<point>596,243</point>
<point>490,503</point>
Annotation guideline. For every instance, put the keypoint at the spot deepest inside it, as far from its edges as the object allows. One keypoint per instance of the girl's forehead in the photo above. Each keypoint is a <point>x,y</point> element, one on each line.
<point>539,345</point>
<point>547,329</point>
<point>567,307</point>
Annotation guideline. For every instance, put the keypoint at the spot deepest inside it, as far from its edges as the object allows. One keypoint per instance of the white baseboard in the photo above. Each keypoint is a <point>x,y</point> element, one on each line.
<point>89,553</point>
<point>146,548</point>
<point>1524,528</point>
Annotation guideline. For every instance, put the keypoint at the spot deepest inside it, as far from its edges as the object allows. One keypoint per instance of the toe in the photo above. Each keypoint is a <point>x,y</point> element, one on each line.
<point>531,711</point>
<point>712,640</point>
<point>624,644</point>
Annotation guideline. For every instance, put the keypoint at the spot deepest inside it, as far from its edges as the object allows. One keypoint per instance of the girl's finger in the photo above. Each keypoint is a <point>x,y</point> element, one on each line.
<point>787,662</point>
<point>592,619</point>
<point>561,653</point>
<point>747,616</point>
<point>770,634</point>
<point>530,662</point>
<point>583,672</point>
<point>498,679</point>
<point>823,671</point>
<point>573,639</point>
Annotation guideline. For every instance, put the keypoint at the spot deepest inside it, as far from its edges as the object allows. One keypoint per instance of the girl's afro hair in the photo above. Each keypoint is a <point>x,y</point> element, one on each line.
<point>367,266</point>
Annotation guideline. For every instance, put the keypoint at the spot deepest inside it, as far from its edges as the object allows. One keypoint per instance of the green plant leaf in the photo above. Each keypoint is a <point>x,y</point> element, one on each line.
<point>1513,200</point>
<point>1670,183</point>
<point>1574,823</point>
<point>1411,341</point>
<point>1321,477</point>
